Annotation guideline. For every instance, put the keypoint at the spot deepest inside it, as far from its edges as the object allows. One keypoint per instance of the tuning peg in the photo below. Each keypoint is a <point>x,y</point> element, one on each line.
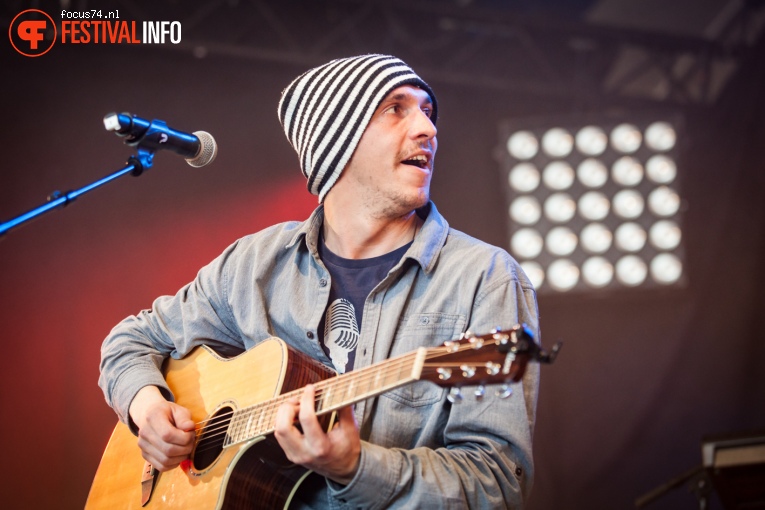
<point>492,368</point>
<point>454,396</point>
<point>467,370</point>
<point>505,391</point>
<point>479,392</point>
<point>502,337</point>
<point>444,373</point>
<point>452,346</point>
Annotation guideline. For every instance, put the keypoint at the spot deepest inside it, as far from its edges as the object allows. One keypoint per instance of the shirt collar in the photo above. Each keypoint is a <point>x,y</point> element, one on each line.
<point>425,249</point>
<point>309,231</point>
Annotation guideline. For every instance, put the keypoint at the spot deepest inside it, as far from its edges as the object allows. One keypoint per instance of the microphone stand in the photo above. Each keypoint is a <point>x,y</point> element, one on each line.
<point>136,165</point>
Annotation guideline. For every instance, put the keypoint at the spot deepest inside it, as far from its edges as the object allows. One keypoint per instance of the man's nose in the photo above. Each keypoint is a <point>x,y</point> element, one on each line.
<point>423,127</point>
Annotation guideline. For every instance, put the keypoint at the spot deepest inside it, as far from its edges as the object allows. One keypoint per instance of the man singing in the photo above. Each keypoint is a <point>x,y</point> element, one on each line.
<point>373,273</point>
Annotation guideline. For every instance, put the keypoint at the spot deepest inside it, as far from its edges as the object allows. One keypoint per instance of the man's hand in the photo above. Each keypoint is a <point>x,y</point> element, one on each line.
<point>334,454</point>
<point>165,429</point>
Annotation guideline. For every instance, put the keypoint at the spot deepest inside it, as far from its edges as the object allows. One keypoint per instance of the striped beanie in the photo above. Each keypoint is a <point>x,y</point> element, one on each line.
<point>325,111</point>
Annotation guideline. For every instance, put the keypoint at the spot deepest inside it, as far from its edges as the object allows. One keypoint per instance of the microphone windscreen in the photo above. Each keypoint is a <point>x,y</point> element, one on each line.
<point>208,149</point>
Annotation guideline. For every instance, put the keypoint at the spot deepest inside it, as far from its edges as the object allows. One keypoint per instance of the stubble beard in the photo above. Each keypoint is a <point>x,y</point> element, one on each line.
<point>391,205</point>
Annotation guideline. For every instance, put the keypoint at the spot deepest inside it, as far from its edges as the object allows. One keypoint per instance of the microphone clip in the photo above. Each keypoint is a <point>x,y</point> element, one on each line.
<point>142,162</point>
<point>154,137</point>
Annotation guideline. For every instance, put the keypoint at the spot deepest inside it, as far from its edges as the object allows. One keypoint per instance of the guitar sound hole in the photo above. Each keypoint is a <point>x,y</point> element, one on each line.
<point>210,442</point>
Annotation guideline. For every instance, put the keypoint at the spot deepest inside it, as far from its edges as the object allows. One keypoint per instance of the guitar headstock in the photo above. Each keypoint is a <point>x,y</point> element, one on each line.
<point>499,357</point>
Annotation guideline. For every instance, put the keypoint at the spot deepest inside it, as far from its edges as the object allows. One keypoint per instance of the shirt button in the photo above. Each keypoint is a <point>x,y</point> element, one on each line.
<point>323,282</point>
<point>518,471</point>
<point>309,334</point>
<point>424,320</point>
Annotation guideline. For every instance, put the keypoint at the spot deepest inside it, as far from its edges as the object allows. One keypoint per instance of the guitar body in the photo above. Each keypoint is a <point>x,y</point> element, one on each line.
<point>236,463</point>
<point>252,474</point>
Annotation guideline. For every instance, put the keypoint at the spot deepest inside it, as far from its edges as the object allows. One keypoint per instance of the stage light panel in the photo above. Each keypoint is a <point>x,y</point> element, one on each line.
<point>594,205</point>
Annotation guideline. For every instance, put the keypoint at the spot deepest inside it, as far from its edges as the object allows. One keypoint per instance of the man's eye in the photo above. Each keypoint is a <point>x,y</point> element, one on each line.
<point>428,111</point>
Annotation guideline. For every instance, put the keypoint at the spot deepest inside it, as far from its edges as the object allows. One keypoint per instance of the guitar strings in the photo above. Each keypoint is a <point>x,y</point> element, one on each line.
<point>240,421</point>
<point>340,384</point>
<point>393,363</point>
<point>360,376</point>
<point>215,437</point>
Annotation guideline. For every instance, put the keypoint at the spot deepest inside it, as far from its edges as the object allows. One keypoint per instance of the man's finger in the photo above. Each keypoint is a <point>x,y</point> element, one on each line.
<point>307,414</point>
<point>182,418</point>
<point>284,423</point>
<point>168,433</point>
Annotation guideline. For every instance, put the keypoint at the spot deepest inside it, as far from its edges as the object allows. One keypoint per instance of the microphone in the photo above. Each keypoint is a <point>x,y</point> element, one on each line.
<point>199,148</point>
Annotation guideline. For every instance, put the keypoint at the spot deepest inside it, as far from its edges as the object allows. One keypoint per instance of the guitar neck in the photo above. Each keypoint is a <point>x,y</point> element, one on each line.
<point>331,394</point>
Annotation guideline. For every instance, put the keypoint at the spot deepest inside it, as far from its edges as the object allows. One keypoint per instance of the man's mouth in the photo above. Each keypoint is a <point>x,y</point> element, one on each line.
<point>420,161</point>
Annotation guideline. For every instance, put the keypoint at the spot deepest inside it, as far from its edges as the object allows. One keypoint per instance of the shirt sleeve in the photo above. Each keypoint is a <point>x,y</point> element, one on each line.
<point>485,461</point>
<point>134,351</point>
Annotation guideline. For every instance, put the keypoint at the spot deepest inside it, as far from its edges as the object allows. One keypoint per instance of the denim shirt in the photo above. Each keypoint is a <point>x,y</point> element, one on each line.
<point>418,449</point>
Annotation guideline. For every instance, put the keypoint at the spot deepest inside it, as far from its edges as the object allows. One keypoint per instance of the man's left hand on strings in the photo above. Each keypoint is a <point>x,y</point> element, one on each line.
<point>334,454</point>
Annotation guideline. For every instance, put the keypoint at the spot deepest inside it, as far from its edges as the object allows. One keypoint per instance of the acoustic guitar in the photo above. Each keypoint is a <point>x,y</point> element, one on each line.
<point>236,462</point>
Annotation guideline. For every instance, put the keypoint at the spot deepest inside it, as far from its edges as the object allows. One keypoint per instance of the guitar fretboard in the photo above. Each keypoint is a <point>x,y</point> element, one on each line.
<point>331,394</point>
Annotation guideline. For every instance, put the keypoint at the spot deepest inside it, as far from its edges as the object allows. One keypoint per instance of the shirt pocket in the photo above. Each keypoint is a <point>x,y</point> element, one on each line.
<point>427,329</point>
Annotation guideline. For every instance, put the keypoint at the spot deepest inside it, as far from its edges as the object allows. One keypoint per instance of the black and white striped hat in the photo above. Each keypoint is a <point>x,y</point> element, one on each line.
<point>325,111</point>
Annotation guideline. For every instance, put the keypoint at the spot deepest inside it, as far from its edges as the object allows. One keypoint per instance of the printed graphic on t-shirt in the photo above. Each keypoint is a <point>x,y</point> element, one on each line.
<point>341,333</point>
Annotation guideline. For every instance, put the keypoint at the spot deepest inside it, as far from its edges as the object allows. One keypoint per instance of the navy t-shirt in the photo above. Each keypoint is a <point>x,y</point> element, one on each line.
<point>352,281</point>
